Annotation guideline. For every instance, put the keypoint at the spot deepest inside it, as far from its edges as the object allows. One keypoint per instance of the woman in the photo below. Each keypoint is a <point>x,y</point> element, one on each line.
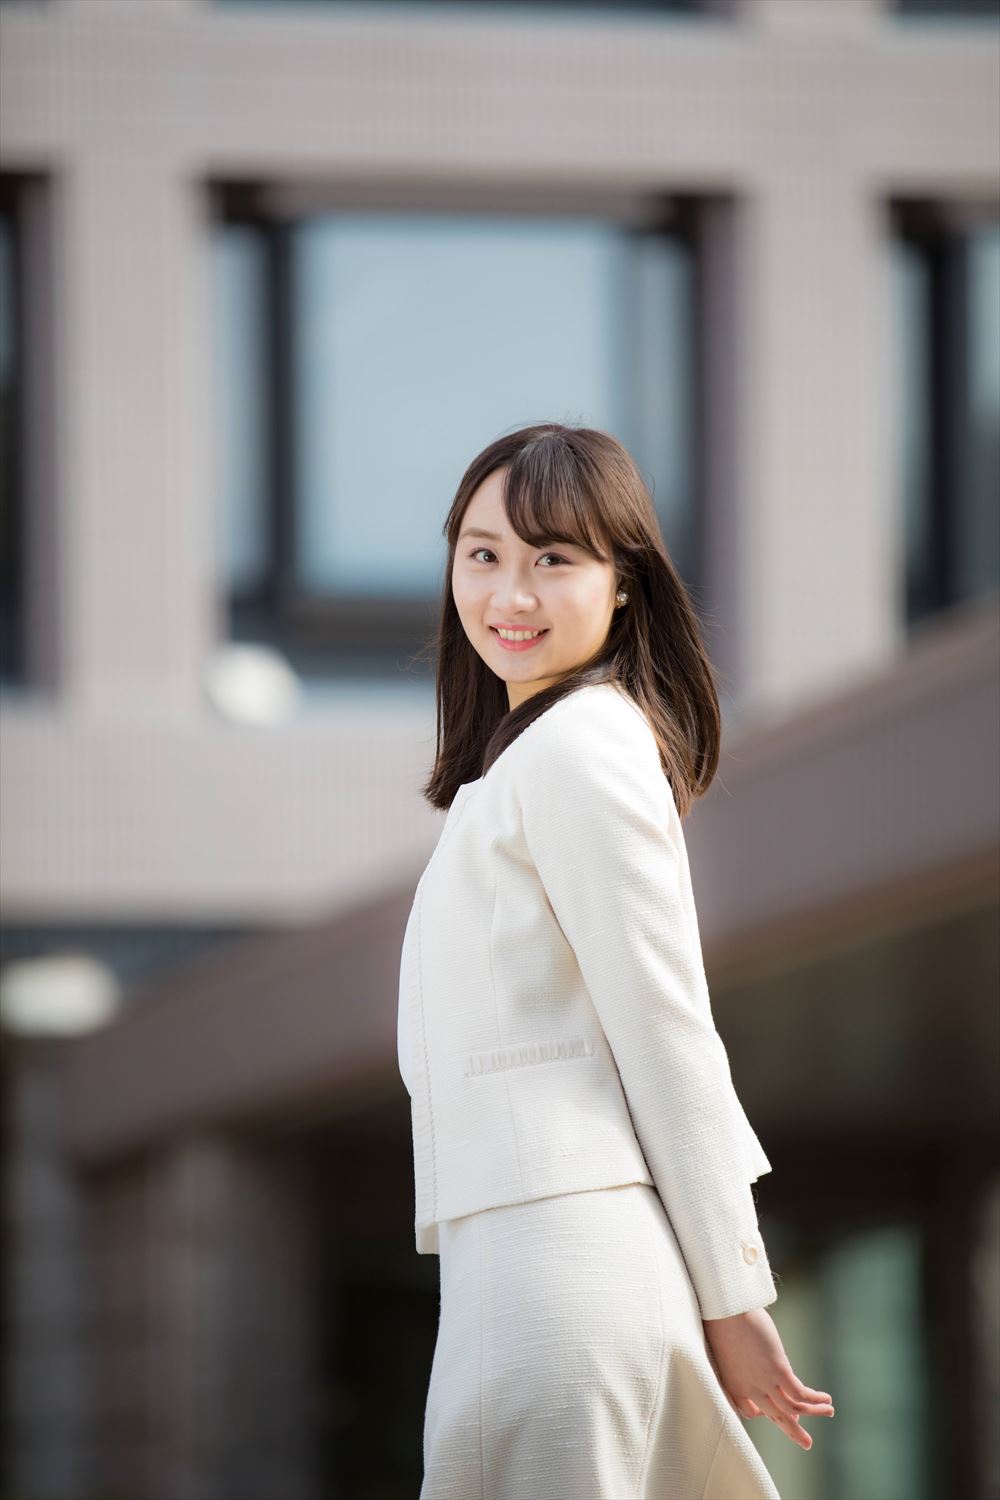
<point>582,1164</point>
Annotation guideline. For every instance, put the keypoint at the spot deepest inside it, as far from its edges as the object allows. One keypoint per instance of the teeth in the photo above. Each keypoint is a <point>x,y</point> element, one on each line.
<point>518,635</point>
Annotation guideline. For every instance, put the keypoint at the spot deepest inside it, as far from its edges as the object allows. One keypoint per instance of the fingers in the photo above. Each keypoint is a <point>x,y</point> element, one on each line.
<point>788,1424</point>
<point>785,1403</point>
<point>785,1410</point>
<point>794,1397</point>
<point>794,1388</point>
<point>803,1408</point>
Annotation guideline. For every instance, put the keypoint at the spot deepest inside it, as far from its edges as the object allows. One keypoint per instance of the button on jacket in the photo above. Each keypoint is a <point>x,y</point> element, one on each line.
<point>555,1029</point>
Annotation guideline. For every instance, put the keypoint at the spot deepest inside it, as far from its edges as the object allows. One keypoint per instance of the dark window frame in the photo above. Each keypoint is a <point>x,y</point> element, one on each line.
<point>946,10</point>
<point>375,636</point>
<point>358,635</point>
<point>937,233</point>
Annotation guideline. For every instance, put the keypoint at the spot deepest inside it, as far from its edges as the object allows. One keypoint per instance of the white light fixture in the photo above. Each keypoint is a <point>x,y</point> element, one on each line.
<point>62,994</point>
<point>252,685</point>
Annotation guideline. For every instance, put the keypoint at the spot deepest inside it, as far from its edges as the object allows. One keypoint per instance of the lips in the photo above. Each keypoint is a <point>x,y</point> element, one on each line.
<point>519,645</point>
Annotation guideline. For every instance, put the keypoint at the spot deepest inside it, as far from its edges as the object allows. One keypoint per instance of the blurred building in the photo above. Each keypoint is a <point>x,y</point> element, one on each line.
<point>270,274</point>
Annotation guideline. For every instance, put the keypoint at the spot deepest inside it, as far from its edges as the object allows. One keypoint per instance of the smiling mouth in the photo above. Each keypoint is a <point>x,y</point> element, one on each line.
<point>514,645</point>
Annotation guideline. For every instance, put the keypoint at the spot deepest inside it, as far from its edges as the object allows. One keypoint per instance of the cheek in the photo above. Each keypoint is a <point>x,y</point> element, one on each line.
<point>592,601</point>
<point>466,592</point>
<point>459,584</point>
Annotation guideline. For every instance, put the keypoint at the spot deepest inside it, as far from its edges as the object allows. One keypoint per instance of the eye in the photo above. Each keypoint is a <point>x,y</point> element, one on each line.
<point>556,555</point>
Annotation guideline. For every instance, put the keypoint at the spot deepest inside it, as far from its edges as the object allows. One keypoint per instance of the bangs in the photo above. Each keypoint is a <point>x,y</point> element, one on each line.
<point>545,499</point>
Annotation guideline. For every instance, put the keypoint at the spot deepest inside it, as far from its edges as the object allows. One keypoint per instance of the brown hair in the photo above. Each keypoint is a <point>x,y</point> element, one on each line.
<point>579,485</point>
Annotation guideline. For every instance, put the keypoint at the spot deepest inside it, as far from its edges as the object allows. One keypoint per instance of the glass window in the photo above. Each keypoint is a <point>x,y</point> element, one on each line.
<point>851,1313</point>
<point>946,280</point>
<point>242,416</point>
<point>364,358</point>
<point>912,389</point>
<point>977,542</point>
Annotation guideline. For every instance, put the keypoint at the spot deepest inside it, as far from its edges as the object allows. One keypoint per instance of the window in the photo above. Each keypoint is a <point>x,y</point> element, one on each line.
<point>946,272</point>
<point>365,357</point>
<point>852,1303</point>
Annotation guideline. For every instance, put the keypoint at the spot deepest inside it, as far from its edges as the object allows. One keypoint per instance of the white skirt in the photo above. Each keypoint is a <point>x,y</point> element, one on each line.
<point>571,1362</point>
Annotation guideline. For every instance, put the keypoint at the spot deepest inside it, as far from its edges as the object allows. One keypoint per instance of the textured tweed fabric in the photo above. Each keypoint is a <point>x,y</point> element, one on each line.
<point>571,1362</point>
<point>555,1024</point>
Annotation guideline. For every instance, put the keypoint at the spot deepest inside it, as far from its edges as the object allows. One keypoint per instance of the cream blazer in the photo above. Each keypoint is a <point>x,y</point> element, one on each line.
<point>555,1031</point>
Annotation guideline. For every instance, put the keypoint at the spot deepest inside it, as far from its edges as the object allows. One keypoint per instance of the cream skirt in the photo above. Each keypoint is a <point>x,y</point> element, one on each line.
<point>571,1361</point>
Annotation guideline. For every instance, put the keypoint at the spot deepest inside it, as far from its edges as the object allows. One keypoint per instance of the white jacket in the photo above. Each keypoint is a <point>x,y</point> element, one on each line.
<point>555,1030</point>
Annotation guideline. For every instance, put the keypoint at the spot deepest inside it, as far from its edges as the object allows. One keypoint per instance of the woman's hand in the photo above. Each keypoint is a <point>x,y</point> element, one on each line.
<point>754,1372</point>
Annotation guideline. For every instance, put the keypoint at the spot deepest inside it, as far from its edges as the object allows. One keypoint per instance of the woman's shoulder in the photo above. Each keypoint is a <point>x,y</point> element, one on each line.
<point>595,726</point>
<point>590,767</point>
<point>595,709</point>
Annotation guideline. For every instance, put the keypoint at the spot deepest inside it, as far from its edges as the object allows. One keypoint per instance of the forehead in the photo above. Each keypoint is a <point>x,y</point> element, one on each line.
<point>486,520</point>
<point>486,506</point>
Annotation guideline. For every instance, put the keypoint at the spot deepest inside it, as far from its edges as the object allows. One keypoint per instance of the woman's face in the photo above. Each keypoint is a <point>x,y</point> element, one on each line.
<point>500,580</point>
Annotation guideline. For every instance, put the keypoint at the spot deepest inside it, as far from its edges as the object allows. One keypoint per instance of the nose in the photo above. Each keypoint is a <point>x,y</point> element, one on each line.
<point>510,596</point>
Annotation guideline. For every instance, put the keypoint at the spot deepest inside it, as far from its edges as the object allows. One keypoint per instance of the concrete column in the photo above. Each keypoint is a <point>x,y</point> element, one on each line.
<point>802,536</point>
<point>819,544</point>
<point>136,487</point>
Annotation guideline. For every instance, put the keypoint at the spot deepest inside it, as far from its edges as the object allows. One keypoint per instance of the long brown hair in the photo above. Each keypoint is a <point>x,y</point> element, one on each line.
<point>579,485</point>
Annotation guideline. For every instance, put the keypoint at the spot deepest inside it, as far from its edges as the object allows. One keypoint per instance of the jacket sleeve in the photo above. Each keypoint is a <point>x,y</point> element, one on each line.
<point>601,828</point>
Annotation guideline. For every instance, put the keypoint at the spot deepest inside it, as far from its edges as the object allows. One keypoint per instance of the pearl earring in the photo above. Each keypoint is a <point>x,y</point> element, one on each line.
<point>621,596</point>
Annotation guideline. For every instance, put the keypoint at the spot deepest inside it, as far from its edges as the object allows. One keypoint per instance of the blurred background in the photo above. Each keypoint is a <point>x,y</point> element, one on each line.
<point>271,273</point>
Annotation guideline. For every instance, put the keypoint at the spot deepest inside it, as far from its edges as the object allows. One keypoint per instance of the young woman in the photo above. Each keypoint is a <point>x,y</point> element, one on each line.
<point>582,1163</point>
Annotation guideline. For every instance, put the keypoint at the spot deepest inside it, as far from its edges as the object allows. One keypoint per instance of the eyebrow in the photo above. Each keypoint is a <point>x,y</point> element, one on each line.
<point>491,536</point>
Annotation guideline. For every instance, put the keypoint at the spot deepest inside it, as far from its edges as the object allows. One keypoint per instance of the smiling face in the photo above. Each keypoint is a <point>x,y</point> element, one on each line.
<point>560,589</point>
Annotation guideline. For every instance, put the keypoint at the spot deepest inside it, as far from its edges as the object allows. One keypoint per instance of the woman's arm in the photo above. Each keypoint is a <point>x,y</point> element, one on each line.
<point>598,815</point>
<point>596,810</point>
